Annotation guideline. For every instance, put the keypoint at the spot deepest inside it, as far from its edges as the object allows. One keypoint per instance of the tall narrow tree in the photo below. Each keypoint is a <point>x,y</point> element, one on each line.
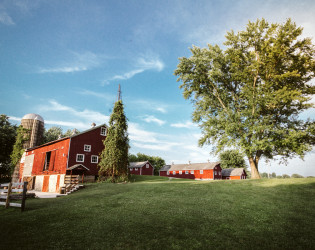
<point>114,158</point>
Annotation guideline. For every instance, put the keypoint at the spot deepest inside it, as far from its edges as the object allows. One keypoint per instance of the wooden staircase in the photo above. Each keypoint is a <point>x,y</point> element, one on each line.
<point>71,184</point>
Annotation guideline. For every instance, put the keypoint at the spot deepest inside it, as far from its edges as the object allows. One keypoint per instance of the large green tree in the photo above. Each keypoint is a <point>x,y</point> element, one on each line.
<point>232,158</point>
<point>250,94</point>
<point>114,158</point>
<point>156,161</point>
<point>7,140</point>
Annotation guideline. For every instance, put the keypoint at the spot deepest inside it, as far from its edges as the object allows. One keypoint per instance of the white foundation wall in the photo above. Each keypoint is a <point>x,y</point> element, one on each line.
<point>52,183</point>
<point>39,182</point>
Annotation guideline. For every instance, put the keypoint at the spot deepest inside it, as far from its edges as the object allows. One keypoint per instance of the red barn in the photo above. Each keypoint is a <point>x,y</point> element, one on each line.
<point>49,164</point>
<point>233,174</point>
<point>198,171</point>
<point>141,168</point>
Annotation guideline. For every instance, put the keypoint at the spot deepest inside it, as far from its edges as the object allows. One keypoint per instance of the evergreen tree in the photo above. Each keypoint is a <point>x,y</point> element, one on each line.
<point>250,95</point>
<point>114,158</point>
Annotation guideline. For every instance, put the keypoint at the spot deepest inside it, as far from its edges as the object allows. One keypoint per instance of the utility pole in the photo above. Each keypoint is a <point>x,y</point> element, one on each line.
<point>119,93</point>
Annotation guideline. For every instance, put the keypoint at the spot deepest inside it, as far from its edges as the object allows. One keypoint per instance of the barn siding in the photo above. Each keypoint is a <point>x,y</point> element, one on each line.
<point>93,138</point>
<point>58,158</point>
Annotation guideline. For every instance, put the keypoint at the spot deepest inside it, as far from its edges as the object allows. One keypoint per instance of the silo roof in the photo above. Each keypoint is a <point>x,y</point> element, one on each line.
<point>33,117</point>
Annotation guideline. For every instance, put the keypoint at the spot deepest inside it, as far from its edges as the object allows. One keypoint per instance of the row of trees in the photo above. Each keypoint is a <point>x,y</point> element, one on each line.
<point>273,175</point>
<point>156,161</point>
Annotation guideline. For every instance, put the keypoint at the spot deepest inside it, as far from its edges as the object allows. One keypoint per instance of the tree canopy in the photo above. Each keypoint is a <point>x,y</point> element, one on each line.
<point>232,158</point>
<point>18,148</point>
<point>55,133</point>
<point>156,161</point>
<point>114,158</point>
<point>7,140</point>
<point>250,94</point>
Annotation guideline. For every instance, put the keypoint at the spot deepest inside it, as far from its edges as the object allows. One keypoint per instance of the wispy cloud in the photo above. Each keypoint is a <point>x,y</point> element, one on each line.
<point>88,116</point>
<point>151,105</point>
<point>5,18</point>
<point>187,124</point>
<point>79,62</point>
<point>142,64</point>
<point>153,119</point>
<point>106,96</point>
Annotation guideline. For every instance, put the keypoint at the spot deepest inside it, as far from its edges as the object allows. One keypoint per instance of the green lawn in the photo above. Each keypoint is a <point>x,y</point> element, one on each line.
<point>155,213</point>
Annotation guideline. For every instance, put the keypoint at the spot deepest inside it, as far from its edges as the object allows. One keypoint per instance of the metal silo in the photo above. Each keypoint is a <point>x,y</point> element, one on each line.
<point>35,124</point>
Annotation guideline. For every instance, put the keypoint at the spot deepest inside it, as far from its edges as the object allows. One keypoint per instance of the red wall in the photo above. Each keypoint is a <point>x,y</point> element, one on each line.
<point>142,171</point>
<point>59,160</point>
<point>234,177</point>
<point>207,174</point>
<point>93,138</point>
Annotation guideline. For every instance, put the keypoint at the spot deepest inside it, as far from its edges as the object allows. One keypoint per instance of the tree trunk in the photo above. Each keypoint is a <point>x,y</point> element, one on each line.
<point>254,168</point>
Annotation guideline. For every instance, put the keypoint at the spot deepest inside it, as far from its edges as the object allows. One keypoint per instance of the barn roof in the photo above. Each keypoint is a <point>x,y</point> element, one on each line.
<point>65,138</point>
<point>78,167</point>
<point>232,171</point>
<point>191,166</point>
<point>139,164</point>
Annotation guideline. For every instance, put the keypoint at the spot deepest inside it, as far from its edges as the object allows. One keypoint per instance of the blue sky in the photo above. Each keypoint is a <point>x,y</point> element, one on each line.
<point>65,59</point>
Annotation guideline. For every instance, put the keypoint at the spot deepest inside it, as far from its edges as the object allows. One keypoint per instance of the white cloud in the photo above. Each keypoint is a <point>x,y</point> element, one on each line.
<point>5,18</point>
<point>162,110</point>
<point>151,105</point>
<point>187,124</point>
<point>87,115</point>
<point>151,118</point>
<point>79,62</point>
<point>14,118</point>
<point>127,75</point>
<point>142,64</point>
<point>78,125</point>
<point>136,133</point>
<point>106,96</point>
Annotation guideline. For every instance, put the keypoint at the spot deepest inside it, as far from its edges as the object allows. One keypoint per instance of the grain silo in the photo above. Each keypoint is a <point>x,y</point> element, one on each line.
<point>35,124</point>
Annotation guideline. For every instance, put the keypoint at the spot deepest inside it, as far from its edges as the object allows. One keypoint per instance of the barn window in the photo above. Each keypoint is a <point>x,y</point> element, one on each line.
<point>215,172</point>
<point>94,159</point>
<point>87,148</point>
<point>47,161</point>
<point>180,172</point>
<point>80,158</point>
<point>136,169</point>
<point>147,165</point>
<point>174,172</point>
<point>201,171</point>
<point>103,131</point>
<point>168,173</point>
<point>186,172</point>
<point>192,171</point>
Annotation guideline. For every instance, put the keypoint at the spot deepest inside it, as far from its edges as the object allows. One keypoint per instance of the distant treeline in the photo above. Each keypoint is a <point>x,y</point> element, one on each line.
<point>284,176</point>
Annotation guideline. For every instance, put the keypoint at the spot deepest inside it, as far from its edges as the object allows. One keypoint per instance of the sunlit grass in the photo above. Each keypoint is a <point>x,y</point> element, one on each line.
<point>158,213</point>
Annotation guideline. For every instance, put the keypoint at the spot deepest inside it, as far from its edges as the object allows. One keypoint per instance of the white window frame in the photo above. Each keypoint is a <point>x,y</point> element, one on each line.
<point>103,131</point>
<point>167,173</point>
<point>94,158</point>
<point>180,172</point>
<point>186,172</point>
<point>192,171</point>
<point>147,165</point>
<point>87,148</point>
<point>174,172</point>
<point>215,172</point>
<point>201,171</point>
<point>136,169</point>
<point>78,155</point>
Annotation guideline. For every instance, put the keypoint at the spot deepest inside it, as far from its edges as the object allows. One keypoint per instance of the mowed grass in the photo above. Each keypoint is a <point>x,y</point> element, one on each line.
<point>155,213</point>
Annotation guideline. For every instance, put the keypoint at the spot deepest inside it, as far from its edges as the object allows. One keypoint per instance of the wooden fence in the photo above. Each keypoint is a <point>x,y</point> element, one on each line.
<point>13,191</point>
